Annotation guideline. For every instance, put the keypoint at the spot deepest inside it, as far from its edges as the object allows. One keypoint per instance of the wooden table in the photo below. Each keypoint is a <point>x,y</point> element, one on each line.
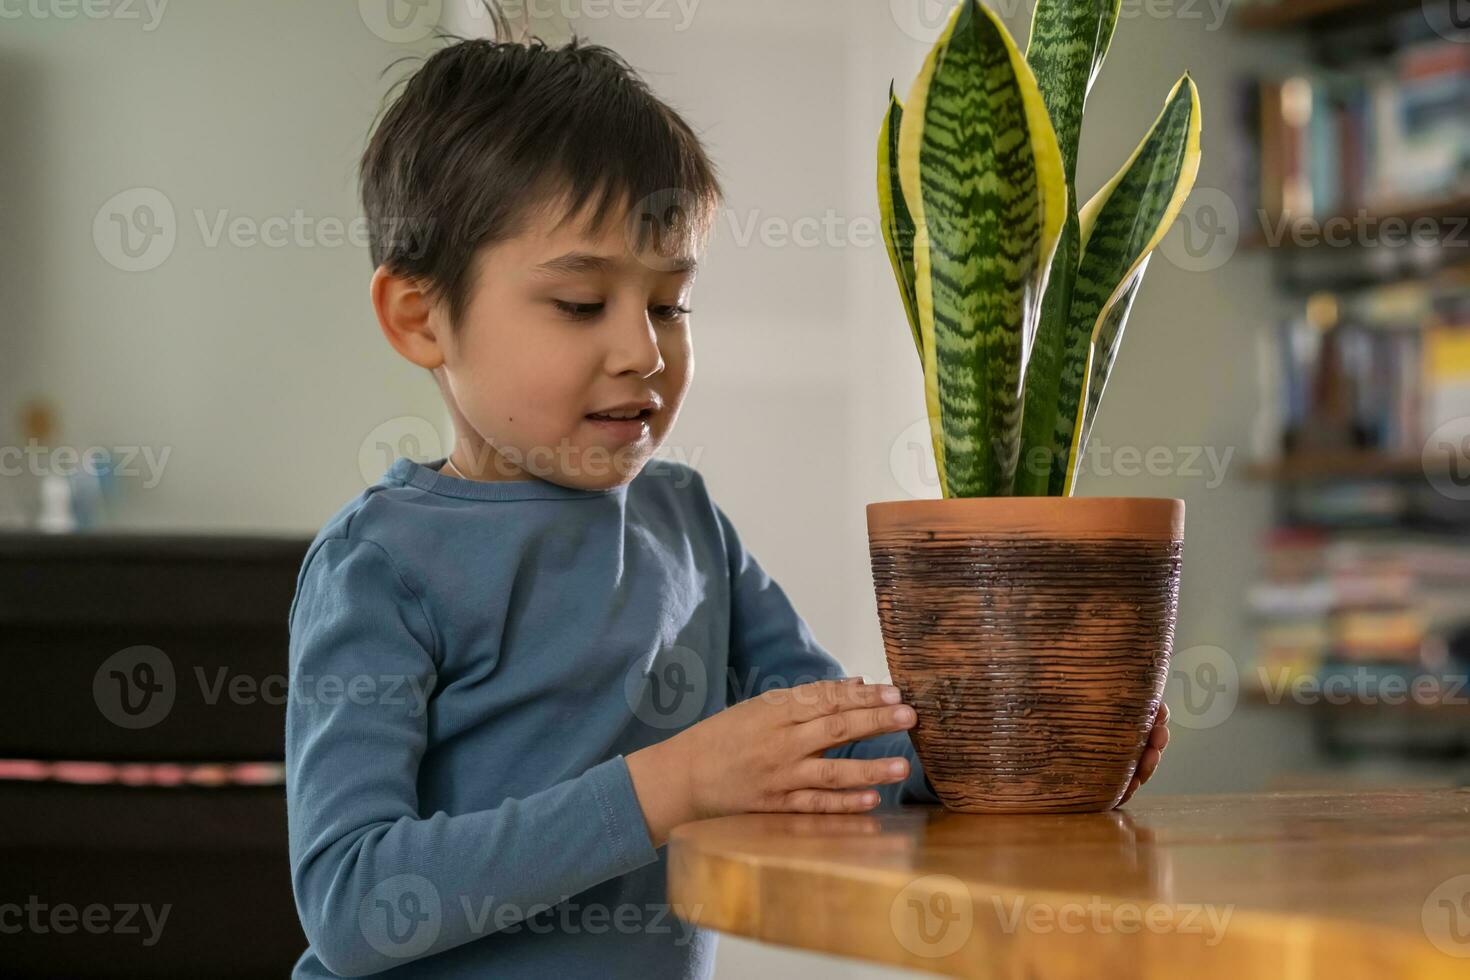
<point>1279,885</point>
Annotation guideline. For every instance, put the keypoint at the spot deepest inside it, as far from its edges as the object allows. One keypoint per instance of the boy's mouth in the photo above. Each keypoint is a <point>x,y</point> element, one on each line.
<point>622,416</point>
<point>632,410</point>
<point>628,422</point>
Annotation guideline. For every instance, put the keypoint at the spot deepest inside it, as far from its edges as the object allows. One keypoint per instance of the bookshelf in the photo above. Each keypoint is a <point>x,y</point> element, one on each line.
<point>1345,464</point>
<point>1348,705</point>
<point>1294,14</point>
<point>1367,564</point>
<point>1449,213</point>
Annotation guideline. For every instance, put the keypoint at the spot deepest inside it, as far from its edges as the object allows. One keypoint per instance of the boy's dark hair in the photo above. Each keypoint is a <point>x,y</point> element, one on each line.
<point>487,133</point>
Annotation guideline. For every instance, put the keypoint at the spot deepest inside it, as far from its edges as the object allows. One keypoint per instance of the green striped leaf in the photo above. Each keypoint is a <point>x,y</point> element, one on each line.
<point>893,211</point>
<point>1120,227</point>
<point>1069,41</point>
<point>1068,44</point>
<point>1040,453</point>
<point>1104,349</point>
<point>982,174</point>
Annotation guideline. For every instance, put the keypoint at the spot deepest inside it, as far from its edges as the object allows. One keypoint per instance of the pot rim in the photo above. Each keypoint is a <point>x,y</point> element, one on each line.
<point>1150,518</point>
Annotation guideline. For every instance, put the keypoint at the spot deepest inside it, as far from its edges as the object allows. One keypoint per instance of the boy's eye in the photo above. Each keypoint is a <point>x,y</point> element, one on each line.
<point>578,311</point>
<point>584,311</point>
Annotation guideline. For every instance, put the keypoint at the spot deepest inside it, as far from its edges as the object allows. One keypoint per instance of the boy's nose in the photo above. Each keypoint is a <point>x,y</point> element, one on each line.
<point>635,348</point>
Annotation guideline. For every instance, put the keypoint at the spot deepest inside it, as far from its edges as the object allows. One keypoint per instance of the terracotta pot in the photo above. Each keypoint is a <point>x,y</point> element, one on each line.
<point>1032,636</point>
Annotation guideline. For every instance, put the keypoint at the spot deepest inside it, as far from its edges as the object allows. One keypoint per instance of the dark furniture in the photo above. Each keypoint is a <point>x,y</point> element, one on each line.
<point>213,611</point>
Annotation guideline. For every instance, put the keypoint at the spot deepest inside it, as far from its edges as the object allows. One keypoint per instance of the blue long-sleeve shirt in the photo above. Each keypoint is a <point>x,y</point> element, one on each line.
<point>470,663</point>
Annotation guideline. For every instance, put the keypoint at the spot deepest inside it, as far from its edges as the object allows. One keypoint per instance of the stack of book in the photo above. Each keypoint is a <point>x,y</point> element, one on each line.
<point>1377,369</point>
<point>1384,137</point>
<point>1327,601</point>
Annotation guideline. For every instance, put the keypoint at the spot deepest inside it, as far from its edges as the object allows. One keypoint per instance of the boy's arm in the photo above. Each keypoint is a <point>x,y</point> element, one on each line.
<point>378,883</point>
<point>771,646</point>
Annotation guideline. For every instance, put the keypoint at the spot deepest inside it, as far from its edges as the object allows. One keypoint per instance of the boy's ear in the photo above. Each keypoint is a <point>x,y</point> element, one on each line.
<point>407,318</point>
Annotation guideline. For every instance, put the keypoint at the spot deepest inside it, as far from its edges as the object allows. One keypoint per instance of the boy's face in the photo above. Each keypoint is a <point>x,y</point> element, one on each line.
<point>561,326</point>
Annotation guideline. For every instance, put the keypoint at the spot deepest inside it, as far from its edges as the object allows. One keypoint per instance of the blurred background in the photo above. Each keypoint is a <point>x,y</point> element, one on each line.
<point>192,381</point>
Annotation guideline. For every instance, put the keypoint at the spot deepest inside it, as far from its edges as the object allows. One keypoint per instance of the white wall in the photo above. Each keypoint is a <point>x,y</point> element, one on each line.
<point>258,370</point>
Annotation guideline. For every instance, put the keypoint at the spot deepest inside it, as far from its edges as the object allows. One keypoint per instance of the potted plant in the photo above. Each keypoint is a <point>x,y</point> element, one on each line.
<point>1030,629</point>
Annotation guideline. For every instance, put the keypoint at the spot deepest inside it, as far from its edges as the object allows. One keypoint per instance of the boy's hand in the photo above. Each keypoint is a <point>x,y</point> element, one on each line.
<point>1158,738</point>
<point>766,754</point>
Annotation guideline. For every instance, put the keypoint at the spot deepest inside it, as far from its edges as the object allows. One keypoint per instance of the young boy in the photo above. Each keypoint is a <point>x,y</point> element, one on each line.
<point>514,670</point>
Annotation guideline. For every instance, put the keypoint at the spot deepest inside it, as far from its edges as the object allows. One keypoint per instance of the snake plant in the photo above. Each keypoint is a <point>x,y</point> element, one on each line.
<point>1016,296</point>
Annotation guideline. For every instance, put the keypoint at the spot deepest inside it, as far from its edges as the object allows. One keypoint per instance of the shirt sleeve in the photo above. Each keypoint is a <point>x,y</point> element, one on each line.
<point>771,646</point>
<point>377,882</point>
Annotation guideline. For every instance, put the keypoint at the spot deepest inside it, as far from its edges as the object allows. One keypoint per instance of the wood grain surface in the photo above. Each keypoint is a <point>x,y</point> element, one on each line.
<point>1297,886</point>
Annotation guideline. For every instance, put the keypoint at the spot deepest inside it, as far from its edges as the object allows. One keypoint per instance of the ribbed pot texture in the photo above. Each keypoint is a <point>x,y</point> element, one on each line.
<point>1032,635</point>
